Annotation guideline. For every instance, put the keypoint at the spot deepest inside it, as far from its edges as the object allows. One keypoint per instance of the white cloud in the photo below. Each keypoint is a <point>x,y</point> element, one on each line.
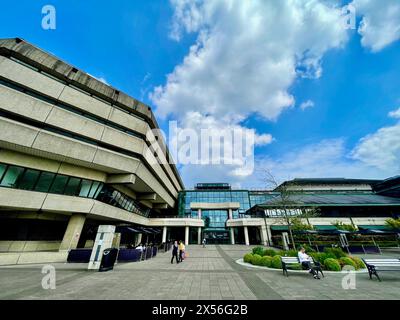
<point>247,55</point>
<point>307,104</point>
<point>380,24</point>
<point>325,159</point>
<point>395,114</point>
<point>380,149</point>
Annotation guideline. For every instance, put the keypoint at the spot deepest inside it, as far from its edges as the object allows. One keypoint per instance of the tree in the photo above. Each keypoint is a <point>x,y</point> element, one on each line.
<point>287,203</point>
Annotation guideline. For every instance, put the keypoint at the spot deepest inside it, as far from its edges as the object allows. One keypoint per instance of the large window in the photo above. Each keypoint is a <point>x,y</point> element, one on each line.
<point>41,181</point>
<point>11,176</point>
<point>45,181</point>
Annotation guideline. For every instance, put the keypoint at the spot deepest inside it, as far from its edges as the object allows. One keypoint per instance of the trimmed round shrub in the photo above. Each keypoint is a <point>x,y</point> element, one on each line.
<point>256,259</point>
<point>336,252</point>
<point>321,256</point>
<point>248,257</point>
<point>359,263</point>
<point>269,252</point>
<point>276,262</point>
<point>346,261</point>
<point>258,250</point>
<point>332,264</point>
<point>266,261</point>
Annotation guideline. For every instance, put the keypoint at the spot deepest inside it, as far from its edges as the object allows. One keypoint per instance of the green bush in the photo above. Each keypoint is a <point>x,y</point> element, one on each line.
<point>346,261</point>
<point>288,253</point>
<point>322,256</point>
<point>332,264</point>
<point>258,250</point>
<point>269,252</point>
<point>359,263</point>
<point>256,259</point>
<point>266,261</point>
<point>336,252</point>
<point>248,257</point>
<point>276,262</point>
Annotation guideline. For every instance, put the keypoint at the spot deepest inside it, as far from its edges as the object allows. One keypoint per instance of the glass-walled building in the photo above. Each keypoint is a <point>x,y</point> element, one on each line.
<point>215,229</point>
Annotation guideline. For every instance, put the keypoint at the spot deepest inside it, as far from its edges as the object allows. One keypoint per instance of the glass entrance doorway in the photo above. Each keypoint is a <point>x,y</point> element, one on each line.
<point>216,236</point>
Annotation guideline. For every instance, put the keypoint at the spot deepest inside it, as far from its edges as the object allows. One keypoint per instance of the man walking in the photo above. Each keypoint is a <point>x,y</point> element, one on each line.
<point>175,252</point>
<point>204,242</point>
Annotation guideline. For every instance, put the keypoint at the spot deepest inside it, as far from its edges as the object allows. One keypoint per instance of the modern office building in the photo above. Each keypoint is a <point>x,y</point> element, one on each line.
<point>253,217</point>
<point>76,153</point>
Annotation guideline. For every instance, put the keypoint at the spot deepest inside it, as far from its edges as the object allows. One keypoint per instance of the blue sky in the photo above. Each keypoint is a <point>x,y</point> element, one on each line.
<point>243,72</point>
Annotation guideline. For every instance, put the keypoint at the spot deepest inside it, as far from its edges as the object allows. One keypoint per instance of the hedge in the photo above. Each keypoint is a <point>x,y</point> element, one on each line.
<point>276,262</point>
<point>346,261</point>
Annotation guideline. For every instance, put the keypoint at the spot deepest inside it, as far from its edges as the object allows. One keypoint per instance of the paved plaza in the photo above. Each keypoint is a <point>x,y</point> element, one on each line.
<point>208,273</point>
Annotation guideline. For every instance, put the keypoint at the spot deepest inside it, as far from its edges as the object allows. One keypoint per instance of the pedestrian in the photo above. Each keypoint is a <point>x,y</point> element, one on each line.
<point>181,251</point>
<point>204,242</point>
<point>175,252</point>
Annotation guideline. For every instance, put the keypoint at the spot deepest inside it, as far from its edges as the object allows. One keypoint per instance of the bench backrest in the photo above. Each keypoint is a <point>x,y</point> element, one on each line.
<point>292,260</point>
<point>383,262</point>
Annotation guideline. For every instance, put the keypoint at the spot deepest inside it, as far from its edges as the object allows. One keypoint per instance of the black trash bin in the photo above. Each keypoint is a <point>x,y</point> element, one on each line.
<point>108,259</point>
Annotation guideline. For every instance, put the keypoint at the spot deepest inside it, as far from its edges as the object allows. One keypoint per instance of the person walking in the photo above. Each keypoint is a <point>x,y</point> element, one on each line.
<point>181,251</point>
<point>204,242</point>
<point>175,252</point>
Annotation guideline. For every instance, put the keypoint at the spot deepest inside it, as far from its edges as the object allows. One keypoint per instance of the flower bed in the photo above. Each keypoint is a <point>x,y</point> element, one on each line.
<point>332,259</point>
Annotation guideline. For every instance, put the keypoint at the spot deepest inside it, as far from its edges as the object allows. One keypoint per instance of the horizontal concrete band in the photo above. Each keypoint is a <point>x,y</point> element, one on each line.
<point>214,206</point>
<point>28,200</point>
<point>46,114</point>
<point>31,140</point>
<point>43,111</point>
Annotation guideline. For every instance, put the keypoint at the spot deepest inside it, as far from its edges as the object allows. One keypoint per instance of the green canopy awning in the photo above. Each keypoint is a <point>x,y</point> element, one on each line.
<point>280,228</point>
<point>374,227</point>
<point>324,227</point>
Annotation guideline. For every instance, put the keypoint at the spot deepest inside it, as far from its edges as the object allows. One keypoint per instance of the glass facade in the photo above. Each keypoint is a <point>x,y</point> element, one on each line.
<point>41,181</point>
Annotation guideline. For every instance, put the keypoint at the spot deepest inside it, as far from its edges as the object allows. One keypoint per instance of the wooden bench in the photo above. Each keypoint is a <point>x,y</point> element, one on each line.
<point>375,265</point>
<point>287,261</point>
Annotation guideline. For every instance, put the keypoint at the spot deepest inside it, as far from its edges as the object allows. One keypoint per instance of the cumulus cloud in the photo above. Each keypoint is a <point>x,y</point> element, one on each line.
<point>395,114</point>
<point>247,54</point>
<point>381,149</point>
<point>327,158</point>
<point>306,104</point>
<point>380,24</point>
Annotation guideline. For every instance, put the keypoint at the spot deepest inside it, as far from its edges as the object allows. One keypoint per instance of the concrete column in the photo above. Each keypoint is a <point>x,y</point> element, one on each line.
<point>199,213</point>
<point>230,215</point>
<point>138,238</point>
<point>73,232</point>
<point>199,235</point>
<point>246,236</point>
<point>264,235</point>
<point>186,235</point>
<point>232,235</point>
<point>164,234</point>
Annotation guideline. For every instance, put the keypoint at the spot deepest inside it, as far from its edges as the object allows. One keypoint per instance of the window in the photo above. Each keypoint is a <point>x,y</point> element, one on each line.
<point>28,180</point>
<point>44,182</point>
<point>2,170</point>
<point>72,186</point>
<point>93,190</point>
<point>11,176</point>
<point>59,184</point>
<point>85,188</point>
